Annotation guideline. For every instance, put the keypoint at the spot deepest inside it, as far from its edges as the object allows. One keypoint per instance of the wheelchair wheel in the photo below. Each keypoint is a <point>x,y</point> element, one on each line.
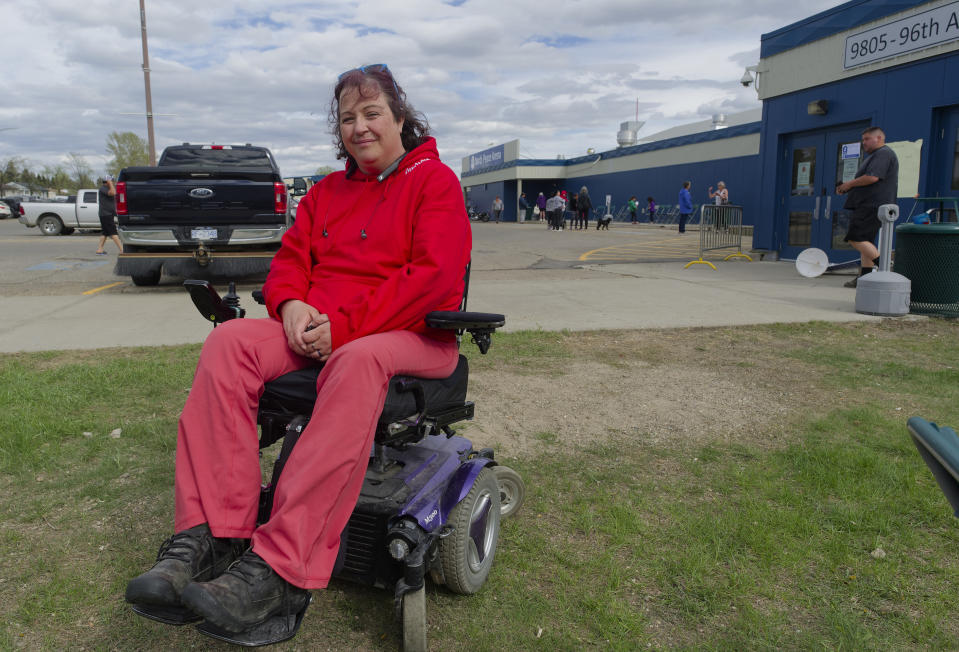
<point>467,553</point>
<point>414,621</point>
<point>512,490</point>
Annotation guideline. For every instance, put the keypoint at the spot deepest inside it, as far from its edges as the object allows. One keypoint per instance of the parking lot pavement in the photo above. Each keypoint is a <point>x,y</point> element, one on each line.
<point>534,277</point>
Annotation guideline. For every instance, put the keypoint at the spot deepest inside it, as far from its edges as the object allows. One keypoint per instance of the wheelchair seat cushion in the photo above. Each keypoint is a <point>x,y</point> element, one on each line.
<point>295,393</point>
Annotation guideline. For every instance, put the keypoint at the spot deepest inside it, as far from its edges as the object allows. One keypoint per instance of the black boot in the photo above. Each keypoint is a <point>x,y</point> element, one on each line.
<point>188,556</point>
<point>248,604</point>
<point>862,271</point>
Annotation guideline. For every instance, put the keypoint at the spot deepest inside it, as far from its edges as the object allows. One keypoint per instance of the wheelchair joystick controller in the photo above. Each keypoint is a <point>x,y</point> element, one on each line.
<point>232,301</point>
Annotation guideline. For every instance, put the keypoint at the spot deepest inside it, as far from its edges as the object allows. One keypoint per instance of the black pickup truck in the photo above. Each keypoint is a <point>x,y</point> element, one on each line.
<point>203,211</point>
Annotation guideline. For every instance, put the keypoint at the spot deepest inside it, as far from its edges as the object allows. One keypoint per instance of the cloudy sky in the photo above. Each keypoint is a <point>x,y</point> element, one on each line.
<point>560,76</point>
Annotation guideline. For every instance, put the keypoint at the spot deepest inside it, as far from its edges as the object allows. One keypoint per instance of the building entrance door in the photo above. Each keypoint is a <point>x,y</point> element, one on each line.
<point>813,164</point>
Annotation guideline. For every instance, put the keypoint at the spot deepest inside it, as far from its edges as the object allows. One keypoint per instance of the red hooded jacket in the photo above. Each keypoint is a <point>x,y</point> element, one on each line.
<point>393,251</point>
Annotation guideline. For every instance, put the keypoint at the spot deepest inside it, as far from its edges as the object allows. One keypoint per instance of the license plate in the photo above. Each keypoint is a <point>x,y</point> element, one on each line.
<point>203,234</point>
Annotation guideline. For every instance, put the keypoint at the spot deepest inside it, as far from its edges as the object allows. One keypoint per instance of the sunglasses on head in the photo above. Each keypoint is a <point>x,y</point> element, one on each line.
<point>373,67</point>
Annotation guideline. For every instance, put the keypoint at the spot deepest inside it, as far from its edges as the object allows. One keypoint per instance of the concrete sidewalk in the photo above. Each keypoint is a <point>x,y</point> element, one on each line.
<point>638,295</point>
<point>665,295</point>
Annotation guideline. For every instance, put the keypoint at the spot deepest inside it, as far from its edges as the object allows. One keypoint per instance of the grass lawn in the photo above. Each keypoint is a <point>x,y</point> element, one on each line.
<point>795,514</point>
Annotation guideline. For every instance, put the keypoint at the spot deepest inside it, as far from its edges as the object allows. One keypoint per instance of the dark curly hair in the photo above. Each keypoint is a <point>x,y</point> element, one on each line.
<point>369,81</point>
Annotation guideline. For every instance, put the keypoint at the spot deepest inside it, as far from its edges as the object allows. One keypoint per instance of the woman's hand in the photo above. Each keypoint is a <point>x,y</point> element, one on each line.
<point>307,330</point>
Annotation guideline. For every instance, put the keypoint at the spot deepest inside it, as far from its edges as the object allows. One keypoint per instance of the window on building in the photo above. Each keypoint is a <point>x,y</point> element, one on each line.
<point>847,162</point>
<point>840,226</point>
<point>804,171</point>
<point>800,229</point>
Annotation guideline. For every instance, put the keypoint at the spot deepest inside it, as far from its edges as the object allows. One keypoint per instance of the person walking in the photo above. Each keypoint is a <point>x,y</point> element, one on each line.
<point>633,205</point>
<point>107,201</point>
<point>497,208</point>
<point>876,183</point>
<point>651,209</point>
<point>573,208</point>
<point>685,206</point>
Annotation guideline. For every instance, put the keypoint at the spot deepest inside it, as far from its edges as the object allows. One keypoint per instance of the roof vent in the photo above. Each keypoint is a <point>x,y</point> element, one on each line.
<point>627,132</point>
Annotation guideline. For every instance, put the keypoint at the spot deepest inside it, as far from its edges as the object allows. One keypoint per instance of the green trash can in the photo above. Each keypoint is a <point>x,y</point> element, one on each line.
<point>928,255</point>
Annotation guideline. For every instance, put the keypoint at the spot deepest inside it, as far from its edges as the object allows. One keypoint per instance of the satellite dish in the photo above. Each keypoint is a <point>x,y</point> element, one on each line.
<point>812,262</point>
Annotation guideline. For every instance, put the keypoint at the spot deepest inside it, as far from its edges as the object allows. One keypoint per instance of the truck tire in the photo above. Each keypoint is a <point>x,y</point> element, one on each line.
<point>50,225</point>
<point>148,278</point>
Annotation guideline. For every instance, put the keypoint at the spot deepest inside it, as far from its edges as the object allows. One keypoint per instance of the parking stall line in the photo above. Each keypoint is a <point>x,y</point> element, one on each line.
<point>104,287</point>
<point>668,248</point>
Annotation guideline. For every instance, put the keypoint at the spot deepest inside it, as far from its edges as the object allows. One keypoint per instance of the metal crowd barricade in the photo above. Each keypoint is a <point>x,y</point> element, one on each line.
<point>721,227</point>
<point>667,214</point>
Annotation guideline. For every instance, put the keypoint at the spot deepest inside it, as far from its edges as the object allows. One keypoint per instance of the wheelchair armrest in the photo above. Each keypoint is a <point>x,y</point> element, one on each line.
<point>479,324</point>
<point>455,320</point>
<point>211,305</point>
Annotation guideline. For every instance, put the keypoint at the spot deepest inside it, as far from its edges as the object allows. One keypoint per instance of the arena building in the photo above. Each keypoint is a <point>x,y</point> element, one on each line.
<point>822,80</point>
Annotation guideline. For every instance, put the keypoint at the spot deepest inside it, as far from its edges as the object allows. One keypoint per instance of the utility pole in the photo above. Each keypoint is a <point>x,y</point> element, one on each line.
<point>146,85</point>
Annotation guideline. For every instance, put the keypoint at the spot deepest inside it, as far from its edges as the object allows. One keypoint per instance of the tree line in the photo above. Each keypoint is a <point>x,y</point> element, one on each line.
<point>126,148</point>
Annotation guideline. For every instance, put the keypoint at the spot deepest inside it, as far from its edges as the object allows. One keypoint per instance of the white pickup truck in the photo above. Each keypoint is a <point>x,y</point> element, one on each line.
<point>63,217</point>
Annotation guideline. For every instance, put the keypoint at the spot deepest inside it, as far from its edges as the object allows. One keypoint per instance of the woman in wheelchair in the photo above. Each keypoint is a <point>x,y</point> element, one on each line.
<point>373,249</point>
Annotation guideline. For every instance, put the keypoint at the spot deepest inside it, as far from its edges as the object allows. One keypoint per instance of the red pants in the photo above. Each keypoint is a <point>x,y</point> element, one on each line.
<point>217,462</point>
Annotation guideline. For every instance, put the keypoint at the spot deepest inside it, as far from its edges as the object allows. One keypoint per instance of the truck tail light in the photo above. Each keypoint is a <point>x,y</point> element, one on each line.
<point>279,198</point>
<point>122,208</point>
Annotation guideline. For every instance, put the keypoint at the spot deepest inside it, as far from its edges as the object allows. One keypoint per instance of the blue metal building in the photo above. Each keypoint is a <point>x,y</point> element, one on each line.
<point>656,169</point>
<point>888,63</point>
<point>822,80</point>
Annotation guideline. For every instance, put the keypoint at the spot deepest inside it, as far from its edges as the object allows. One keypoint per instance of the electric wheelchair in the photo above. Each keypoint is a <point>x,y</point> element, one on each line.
<point>431,504</point>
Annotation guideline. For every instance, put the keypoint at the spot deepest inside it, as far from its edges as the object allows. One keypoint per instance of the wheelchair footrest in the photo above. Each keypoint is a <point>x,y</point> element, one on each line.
<point>166,615</point>
<point>273,630</point>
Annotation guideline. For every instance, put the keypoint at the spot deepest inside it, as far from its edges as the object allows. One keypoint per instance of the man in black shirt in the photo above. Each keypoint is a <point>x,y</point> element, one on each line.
<point>108,209</point>
<point>876,183</point>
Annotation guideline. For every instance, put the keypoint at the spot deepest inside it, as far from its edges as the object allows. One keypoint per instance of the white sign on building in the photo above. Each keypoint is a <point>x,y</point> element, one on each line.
<point>916,32</point>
